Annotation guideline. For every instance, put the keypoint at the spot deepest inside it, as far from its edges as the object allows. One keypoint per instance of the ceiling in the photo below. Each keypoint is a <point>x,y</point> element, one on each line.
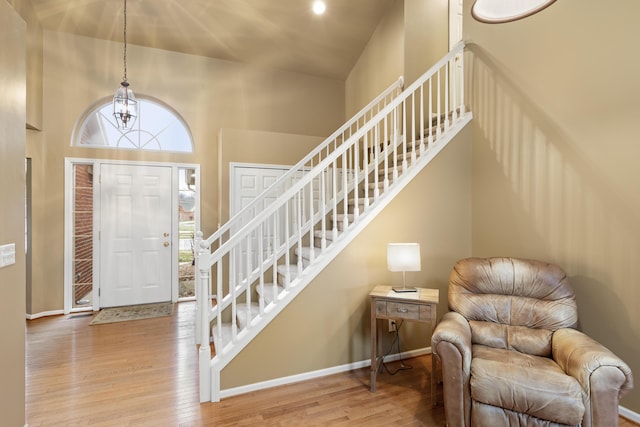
<point>281,34</point>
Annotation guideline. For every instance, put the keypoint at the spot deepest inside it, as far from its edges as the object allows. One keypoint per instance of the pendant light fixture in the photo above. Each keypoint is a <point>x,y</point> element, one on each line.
<point>125,106</point>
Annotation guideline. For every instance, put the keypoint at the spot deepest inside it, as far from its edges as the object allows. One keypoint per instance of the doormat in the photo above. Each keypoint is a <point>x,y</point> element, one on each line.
<point>133,312</point>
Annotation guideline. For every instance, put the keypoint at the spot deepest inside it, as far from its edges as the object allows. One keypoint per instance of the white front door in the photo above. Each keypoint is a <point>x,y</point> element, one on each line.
<point>135,234</point>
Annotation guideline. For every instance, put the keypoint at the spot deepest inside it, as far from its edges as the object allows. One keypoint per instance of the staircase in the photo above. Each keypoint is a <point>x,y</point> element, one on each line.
<point>260,260</point>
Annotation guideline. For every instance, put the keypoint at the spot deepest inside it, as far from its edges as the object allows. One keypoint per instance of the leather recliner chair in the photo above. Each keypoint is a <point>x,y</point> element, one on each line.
<point>511,355</point>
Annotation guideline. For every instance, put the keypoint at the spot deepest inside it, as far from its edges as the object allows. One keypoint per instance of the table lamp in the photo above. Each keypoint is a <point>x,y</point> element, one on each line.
<point>403,257</point>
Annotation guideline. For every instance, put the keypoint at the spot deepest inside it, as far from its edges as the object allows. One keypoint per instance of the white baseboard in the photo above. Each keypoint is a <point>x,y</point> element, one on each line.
<point>317,374</point>
<point>235,391</point>
<point>629,414</point>
<point>44,314</point>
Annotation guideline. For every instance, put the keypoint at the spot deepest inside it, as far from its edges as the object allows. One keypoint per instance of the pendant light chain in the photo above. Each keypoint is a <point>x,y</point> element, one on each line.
<point>125,41</point>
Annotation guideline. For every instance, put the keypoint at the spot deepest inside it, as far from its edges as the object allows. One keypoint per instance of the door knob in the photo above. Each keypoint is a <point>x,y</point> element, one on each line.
<point>166,234</point>
<point>166,244</point>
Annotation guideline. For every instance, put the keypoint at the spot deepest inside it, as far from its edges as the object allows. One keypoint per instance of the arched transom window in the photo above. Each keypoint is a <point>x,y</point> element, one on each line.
<point>157,128</point>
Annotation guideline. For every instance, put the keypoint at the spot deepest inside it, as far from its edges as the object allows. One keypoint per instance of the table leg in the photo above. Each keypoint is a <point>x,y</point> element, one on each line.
<point>374,349</point>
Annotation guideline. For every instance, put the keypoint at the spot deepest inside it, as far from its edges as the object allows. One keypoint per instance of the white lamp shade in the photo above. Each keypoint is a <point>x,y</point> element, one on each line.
<point>403,256</point>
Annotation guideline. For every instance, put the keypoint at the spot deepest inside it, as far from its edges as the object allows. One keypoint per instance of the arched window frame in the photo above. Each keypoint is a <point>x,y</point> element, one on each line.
<point>98,123</point>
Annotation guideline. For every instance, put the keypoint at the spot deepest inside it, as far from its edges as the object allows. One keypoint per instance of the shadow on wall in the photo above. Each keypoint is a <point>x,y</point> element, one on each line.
<point>571,215</point>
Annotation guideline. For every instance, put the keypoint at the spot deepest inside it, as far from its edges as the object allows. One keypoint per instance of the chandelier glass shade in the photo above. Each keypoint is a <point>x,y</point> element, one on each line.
<point>125,106</point>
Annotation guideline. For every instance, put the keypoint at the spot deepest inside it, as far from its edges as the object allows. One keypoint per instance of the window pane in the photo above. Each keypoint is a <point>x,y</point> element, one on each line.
<point>157,129</point>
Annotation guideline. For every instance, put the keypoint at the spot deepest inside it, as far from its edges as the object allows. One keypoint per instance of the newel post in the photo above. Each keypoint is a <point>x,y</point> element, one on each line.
<point>203,277</point>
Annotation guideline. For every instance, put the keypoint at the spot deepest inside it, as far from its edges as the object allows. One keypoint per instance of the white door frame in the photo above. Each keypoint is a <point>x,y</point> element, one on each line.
<point>68,225</point>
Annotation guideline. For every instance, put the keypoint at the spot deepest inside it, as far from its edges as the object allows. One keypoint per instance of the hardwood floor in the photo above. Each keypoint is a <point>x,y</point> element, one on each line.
<point>144,373</point>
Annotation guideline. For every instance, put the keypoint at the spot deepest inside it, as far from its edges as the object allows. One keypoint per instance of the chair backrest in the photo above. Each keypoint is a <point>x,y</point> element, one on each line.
<point>513,303</point>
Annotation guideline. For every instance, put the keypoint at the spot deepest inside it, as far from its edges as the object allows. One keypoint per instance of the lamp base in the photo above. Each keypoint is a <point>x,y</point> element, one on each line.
<point>404,289</point>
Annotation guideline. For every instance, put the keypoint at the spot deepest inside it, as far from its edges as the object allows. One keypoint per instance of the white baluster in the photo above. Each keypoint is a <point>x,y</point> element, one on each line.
<point>334,197</point>
<point>287,256</point>
<point>462,105</point>
<point>323,209</point>
<point>367,162</point>
<point>376,163</point>
<point>276,247</point>
<point>298,230</point>
<point>261,233</point>
<point>386,154</point>
<point>413,130</point>
<point>446,97</point>
<point>430,100</point>
<point>345,208</point>
<point>438,107</point>
<point>422,128</point>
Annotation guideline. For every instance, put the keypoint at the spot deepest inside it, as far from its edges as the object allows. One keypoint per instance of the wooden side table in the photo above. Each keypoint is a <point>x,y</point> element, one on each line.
<point>417,306</point>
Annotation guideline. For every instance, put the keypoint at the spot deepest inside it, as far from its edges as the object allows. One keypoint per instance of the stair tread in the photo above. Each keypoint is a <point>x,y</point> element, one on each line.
<point>327,234</point>
<point>225,334</point>
<point>244,314</point>
<point>320,234</point>
<point>268,292</point>
<point>341,216</point>
<point>361,200</point>
<point>390,168</point>
<point>305,252</point>
<point>287,274</point>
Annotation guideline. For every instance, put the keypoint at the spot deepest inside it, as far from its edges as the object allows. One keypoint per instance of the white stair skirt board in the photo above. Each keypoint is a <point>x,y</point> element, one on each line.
<point>268,292</point>
<point>244,314</point>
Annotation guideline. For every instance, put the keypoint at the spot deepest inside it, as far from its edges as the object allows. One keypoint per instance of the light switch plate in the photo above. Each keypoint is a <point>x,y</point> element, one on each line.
<point>7,255</point>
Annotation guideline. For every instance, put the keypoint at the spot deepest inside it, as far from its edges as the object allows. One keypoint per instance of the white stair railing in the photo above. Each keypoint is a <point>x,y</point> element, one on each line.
<point>307,215</point>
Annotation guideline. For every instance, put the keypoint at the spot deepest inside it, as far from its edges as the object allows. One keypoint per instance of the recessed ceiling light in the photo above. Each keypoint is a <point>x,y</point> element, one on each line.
<point>319,7</point>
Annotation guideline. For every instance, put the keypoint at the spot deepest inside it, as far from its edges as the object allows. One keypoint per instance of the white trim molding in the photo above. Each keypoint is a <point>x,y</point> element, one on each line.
<point>44,314</point>
<point>235,391</point>
<point>629,414</point>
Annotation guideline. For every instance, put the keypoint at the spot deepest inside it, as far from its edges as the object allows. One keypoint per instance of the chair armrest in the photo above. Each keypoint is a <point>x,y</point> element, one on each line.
<point>580,356</point>
<point>604,377</point>
<point>454,329</point>
<point>451,342</point>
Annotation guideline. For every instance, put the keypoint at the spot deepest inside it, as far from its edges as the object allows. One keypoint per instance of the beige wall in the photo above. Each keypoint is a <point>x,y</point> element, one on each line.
<point>381,62</point>
<point>408,41</point>
<point>426,35</point>
<point>209,94</point>
<point>12,193</point>
<point>34,62</point>
<point>555,152</point>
